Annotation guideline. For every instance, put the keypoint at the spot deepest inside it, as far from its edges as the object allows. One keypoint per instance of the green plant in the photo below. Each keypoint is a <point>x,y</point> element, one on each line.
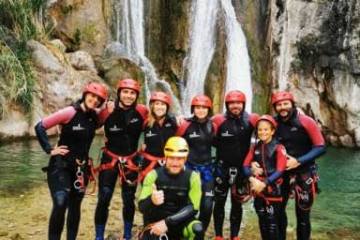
<point>17,80</point>
<point>20,21</point>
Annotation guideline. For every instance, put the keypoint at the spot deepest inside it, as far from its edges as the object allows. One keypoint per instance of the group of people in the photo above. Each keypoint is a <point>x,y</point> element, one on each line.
<point>182,184</point>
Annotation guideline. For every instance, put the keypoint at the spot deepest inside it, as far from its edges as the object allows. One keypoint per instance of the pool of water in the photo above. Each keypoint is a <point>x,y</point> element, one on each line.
<point>337,208</point>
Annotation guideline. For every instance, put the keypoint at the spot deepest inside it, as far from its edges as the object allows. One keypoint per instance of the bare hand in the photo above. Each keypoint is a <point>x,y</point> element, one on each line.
<point>256,185</point>
<point>256,170</point>
<point>110,105</point>
<point>292,163</point>
<point>157,197</point>
<point>159,228</point>
<point>59,150</point>
<point>180,120</point>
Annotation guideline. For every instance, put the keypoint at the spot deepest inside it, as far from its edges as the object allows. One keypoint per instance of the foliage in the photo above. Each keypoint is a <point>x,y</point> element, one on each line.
<point>20,21</point>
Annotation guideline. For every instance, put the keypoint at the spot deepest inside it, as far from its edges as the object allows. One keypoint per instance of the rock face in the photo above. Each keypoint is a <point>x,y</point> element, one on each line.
<point>59,84</point>
<point>82,24</point>
<point>315,48</point>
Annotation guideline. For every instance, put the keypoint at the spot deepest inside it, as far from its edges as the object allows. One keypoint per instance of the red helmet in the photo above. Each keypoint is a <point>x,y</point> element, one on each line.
<point>160,96</point>
<point>281,96</point>
<point>235,96</point>
<point>129,83</point>
<point>267,118</point>
<point>201,100</point>
<point>96,88</point>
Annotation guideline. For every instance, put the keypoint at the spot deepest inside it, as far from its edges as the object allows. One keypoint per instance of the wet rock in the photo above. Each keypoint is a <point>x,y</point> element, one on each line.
<point>44,59</point>
<point>59,44</point>
<point>81,60</point>
<point>334,140</point>
<point>315,49</point>
<point>347,141</point>
<point>82,24</point>
<point>357,136</point>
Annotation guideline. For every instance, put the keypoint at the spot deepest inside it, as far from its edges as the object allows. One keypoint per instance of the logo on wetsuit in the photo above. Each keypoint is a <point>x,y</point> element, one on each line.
<point>226,134</point>
<point>150,134</point>
<point>77,128</point>
<point>134,120</point>
<point>115,129</point>
<point>194,135</point>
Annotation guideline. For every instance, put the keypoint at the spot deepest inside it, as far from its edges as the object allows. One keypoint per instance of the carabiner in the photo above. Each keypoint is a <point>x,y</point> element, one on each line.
<point>163,237</point>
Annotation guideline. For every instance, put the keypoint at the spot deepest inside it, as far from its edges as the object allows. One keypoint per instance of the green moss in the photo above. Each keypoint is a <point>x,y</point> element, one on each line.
<point>307,54</point>
<point>259,61</point>
<point>89,33</point>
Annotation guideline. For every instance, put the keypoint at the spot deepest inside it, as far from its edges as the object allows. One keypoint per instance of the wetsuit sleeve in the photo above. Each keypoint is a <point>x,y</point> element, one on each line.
<point>280,164</point>
<point>247,162</point>
<point>185,214</point>
<point>189,211</point>
<point>195,190</point>
<point>145,203</point>
<point>253,119</point>
<point>316,137</point>
<point>60,117</point>
<point>103,115</point>
<point>42,137</point>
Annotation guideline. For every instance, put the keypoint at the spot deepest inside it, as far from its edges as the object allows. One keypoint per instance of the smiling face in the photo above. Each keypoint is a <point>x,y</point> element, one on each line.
<point>235,108</point>
<point>158,108</point>
<point>201,112</point>
<point>127,97</point>
<point>283,108</point>
<point>175,165</point>
<point>265,131</point>
<point>92,101</point>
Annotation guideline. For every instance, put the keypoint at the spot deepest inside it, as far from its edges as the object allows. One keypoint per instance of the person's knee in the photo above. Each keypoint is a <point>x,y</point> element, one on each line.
<point>194,230</point>
<point>128,196</point>
<point>197,229</point>
<point>60,199</point>
<point>105,195</point>
<point>207,204</point>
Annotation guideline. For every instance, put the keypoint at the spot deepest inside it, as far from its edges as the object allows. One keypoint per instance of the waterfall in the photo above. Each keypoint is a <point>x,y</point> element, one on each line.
<point>238,75</point>
<point>284,58</point>
<point>202,48</point>
<point>130,36</point>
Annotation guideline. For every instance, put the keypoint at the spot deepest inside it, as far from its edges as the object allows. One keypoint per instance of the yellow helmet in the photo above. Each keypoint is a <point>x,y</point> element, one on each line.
<point>176,147</point>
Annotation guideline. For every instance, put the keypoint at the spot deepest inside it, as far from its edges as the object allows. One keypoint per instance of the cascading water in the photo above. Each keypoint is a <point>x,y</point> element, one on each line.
<point>238,76</point>
<point>202,48</point>
<point>131,44</point>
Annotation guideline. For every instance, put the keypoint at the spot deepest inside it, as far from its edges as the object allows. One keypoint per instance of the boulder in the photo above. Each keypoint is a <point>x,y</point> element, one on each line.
<point>81,60</point>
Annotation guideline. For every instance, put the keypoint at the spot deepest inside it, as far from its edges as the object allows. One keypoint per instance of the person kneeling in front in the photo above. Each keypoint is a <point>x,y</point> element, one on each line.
<point>170,197</point>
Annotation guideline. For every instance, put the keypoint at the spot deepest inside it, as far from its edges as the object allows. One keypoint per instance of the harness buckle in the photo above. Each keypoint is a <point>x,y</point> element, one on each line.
<point>163,237</point>
<point>309,181</point>
<point>122,160</point>
<point>161,162</point>
<point>232,173</point>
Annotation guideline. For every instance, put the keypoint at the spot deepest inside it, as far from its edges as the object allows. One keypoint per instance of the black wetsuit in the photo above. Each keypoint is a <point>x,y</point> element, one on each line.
<point>182,193</point>
<point>200,137</point>
<point>302,140</point>
<point>232,144</point>
<point>122,130</point>
<point>271,158</point>
<point>155,137</point>
<point>77,135</point>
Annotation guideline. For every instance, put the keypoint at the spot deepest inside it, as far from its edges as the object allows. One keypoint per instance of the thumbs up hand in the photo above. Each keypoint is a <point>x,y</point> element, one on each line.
<point>157,197</point>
